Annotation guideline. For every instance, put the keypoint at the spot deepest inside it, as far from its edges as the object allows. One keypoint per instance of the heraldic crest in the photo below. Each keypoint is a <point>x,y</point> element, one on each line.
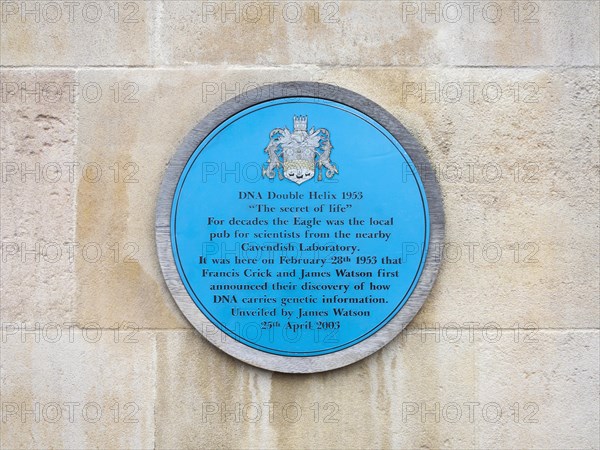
<point>299,153</point>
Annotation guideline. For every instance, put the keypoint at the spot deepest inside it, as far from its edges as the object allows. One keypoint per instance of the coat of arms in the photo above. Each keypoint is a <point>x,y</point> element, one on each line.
<point>297,154</point>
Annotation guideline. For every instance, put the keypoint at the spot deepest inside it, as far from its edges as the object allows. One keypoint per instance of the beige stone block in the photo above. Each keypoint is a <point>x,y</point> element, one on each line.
<point>525,159</point>
<point>207,399</point>
<point>84,33</point>
<point>379,33</point>
<point>71,388</point>
<point>519,181</point>
<point>542,393</point>
<point>38,176</point>
<point>139,132</point>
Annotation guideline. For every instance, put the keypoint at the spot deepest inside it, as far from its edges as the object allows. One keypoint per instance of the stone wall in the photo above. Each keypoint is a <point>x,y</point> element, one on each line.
<point>96,97</point>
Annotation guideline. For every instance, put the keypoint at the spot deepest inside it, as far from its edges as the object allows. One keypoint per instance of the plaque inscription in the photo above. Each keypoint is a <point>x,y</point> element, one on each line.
<point>295,231</point>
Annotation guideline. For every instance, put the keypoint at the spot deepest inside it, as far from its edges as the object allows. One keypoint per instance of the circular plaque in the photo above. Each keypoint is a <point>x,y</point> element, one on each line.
<point>295,227</point>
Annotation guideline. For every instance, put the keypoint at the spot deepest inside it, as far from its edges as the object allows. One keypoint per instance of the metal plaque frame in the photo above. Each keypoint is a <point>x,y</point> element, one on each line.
<point>200,321</point>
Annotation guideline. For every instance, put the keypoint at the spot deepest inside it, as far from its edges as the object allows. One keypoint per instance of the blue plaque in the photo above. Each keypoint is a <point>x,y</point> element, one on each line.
<point>295,226</point>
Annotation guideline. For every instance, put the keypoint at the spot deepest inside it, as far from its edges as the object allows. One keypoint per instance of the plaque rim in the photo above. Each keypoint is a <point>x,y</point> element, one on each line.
<point>243,352</point>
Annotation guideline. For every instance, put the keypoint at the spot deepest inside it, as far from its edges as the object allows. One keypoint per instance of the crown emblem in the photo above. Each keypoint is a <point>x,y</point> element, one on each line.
<point>298,154</point>
<point>300,123</point>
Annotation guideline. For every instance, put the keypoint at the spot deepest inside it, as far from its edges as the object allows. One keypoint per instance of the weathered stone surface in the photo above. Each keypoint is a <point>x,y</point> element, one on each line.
<point>38,125</point>
<point>516,174</point>
<point>70,388</point>
<point>547,386</point>
<point>328,33</point>
<point>377,33</point>
<point>425,389</point>
<point>229,404</point>
<point>507,111</point>
<point>85,33</point>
